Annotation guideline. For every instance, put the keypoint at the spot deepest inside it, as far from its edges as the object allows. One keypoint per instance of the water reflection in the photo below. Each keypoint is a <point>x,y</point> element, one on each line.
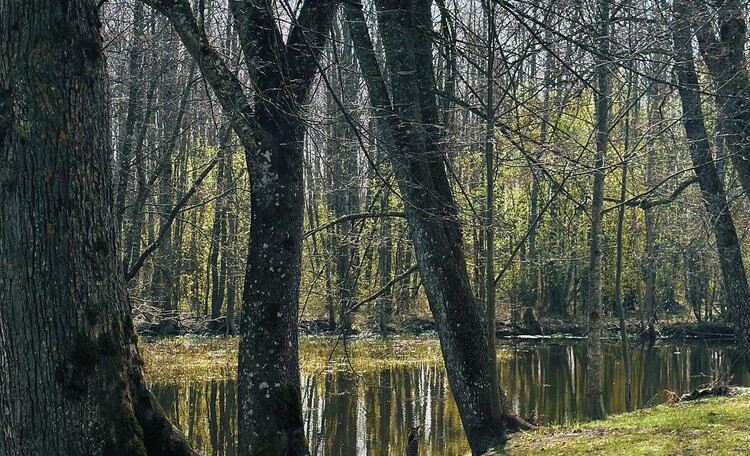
<point>370,413</point>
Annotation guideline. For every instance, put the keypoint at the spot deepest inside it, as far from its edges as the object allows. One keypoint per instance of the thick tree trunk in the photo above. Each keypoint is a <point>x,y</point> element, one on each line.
<point>714,198</point>
<point>429,206</point>
<point>71,381</point>
<point>268,377</point>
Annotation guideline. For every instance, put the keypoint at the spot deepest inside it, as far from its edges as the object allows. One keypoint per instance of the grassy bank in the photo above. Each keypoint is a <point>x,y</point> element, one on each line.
<point>714,426</point>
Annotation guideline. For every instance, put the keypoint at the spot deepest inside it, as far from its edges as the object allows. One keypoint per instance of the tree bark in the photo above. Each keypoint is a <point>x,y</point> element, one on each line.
<point>489,217</point>
<point>594,381</point>
<point>409,116</point>
<point>648,312</point>
<point>218,268</point>
<point>712,192</point>
<point>724,55</point>
<point>71,380</point>
<point>618,273</point>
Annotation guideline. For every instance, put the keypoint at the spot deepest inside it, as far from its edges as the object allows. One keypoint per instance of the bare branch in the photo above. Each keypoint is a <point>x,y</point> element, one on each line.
<point>348,217</point>
<point>383,290</point>
<point>164,229</point>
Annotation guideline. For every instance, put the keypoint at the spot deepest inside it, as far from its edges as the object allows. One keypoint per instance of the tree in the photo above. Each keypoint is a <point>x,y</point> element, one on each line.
<point>722,46</point>
<point>270,127</point>
<point>712,191</point>
<point>602,95</point>
<point>489,217</point>
<point>71,379</point>
<point>408,120</point>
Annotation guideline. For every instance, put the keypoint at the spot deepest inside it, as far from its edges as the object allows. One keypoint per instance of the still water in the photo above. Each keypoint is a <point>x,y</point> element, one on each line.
<point>370,413</point>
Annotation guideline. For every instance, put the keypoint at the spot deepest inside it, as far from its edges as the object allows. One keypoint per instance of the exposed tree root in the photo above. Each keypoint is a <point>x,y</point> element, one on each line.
<point>160,436</point>
<point>514,423</point>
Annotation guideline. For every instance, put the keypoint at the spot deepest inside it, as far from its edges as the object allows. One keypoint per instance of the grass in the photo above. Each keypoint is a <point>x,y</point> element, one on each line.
<point>197,358</point>
<point>714,426</point>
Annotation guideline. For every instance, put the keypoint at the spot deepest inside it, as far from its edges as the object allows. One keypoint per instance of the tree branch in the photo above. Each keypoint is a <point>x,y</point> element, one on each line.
<point>261,41</point>
<point>645,204</point>
<point>164,229</point>
<point>348,217</point>
<point>227,87</point>
<point>306,43</point>
<point>383,290</point>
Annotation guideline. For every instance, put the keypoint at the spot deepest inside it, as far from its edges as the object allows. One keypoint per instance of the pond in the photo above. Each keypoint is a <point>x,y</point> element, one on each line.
<point>371,412</point>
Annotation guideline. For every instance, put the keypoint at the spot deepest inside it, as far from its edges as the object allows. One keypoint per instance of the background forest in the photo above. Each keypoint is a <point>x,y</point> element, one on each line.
<point>182,190</point>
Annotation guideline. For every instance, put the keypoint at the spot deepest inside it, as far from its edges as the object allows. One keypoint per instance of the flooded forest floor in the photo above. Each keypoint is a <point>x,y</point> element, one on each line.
<point>716,425</point>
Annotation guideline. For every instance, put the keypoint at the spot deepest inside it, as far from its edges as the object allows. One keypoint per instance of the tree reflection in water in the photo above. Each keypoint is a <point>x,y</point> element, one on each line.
<point>370,413</point>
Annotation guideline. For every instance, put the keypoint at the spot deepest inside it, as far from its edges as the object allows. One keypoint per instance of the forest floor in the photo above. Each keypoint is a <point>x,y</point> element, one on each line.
<point>710,426</point>
<point>414,326</point>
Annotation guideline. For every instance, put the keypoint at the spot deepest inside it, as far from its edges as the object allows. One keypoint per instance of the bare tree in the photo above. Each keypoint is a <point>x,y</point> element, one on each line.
<point>712,191</point>
<point>270,128</point>
<point>409,119</point>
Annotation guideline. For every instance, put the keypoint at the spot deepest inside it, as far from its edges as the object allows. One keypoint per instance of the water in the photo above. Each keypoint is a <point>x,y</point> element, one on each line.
<point>371,413</point>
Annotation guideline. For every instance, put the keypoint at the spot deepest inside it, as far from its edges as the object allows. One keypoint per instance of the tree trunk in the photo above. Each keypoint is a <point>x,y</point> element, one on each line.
<point>489,217</point>
<point>594,381</point>
<point>417,158</point>
<point>71,381</point>
<point>648,314</point>
<point>724,55</point>
<point>712,192</point>
<point>133,115</point>
<point>618,275</point>
<point>385,266</point>
<point>217,268</point>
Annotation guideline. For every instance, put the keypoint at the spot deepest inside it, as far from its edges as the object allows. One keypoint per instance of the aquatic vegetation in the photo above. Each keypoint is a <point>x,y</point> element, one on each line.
<point>187,358</point>
<point>202,358</point>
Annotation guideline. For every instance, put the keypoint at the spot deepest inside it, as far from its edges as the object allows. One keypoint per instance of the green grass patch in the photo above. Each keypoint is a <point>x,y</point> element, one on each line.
<point>714,426</point>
